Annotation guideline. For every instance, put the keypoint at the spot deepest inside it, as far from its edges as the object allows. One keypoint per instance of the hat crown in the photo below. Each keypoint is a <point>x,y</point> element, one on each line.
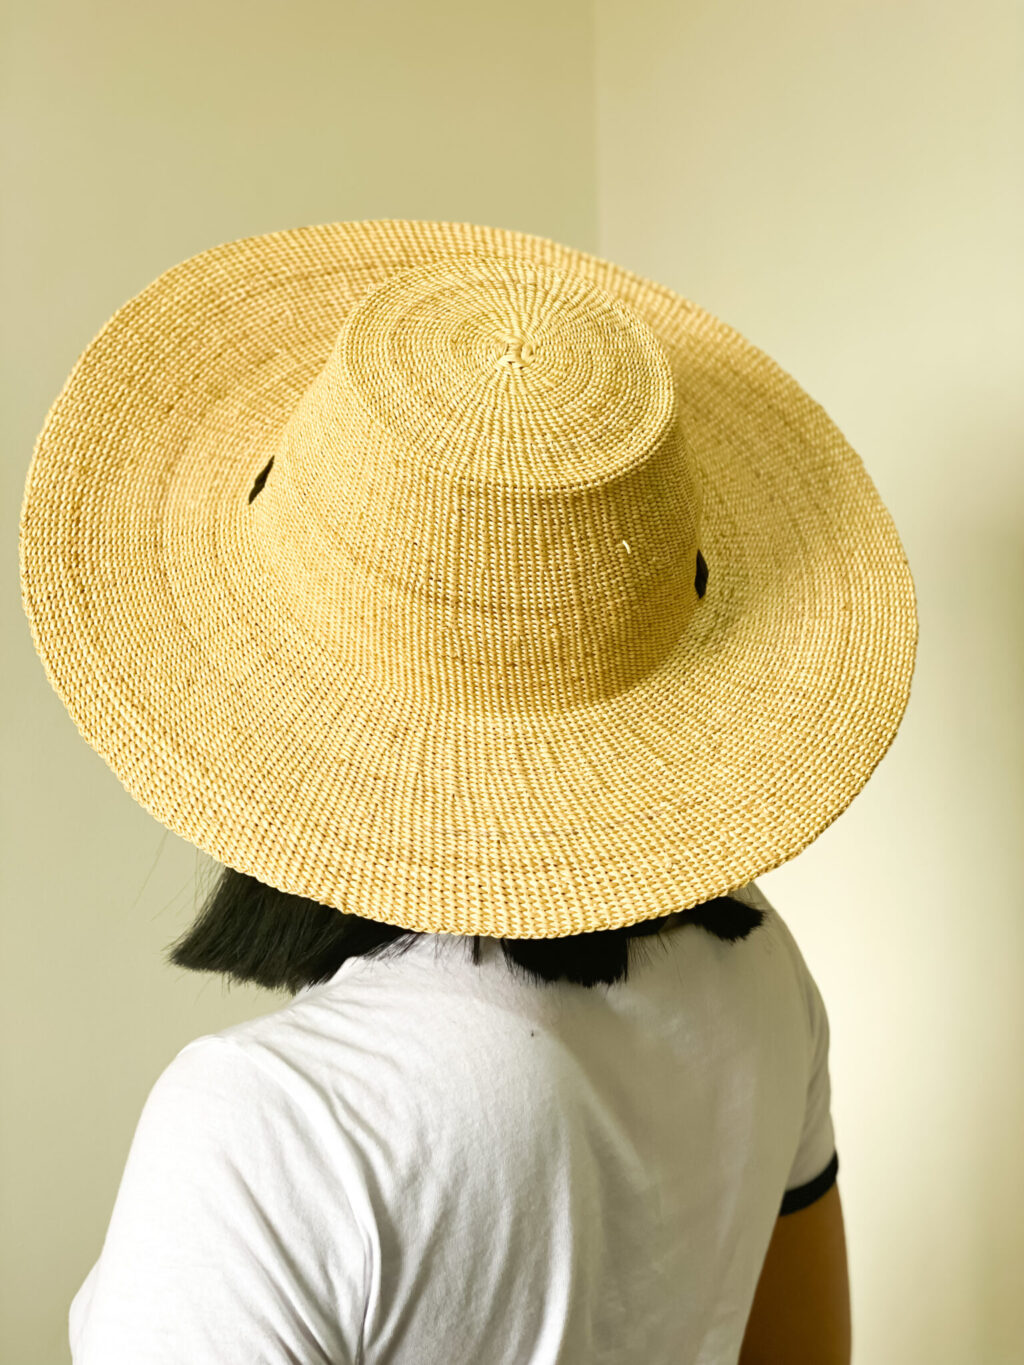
<point>485,499</point>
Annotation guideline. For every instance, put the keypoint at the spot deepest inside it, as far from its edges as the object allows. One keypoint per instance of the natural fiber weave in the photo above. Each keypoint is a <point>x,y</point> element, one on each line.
<point>365,555</point>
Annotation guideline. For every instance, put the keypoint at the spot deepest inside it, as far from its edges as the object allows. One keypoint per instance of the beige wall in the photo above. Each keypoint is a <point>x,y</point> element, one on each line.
<point>839,181</point>
<point>844,183</point>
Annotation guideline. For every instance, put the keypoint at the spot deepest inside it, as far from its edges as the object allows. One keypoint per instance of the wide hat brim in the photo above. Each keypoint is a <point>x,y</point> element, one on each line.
<point>231,723</point>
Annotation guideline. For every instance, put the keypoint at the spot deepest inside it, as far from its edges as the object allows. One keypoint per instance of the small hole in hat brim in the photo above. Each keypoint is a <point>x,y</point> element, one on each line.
<point>701,581</point>
<point>261,479</point>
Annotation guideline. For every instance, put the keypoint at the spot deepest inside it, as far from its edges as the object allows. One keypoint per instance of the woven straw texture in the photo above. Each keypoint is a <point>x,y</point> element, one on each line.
<point>364,554</point>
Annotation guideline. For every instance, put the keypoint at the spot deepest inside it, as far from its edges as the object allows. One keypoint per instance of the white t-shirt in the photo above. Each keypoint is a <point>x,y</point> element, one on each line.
<point>425,1161</point>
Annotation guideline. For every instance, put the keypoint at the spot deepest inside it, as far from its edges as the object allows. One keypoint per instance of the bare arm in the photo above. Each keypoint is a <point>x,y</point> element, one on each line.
<point>801,1309</point>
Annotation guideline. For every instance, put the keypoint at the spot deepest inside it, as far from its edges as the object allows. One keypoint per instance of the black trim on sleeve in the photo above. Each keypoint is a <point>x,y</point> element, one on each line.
<point>803,1195</point>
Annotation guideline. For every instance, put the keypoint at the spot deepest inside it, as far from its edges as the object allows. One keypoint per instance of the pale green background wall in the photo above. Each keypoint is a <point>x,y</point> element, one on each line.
<point>840,181</point>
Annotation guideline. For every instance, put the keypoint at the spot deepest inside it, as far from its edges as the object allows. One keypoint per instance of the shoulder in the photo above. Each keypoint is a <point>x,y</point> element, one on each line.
<point>780,938</point>
<point>212,1103</point>
<point>206,1069</point>
<point>229,1227</point>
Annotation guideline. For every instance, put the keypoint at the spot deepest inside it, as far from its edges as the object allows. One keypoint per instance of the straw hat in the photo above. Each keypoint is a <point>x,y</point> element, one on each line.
<point>462,580</point>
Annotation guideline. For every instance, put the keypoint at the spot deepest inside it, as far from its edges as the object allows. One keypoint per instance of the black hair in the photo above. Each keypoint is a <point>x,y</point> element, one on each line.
<point>251,932</point>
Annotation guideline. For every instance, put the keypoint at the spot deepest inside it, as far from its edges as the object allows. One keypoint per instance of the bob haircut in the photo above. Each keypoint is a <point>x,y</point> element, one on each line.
<point>251,932</point>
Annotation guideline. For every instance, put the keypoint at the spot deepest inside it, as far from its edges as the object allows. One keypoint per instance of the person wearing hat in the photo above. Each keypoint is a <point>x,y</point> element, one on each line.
<point>495,616</point>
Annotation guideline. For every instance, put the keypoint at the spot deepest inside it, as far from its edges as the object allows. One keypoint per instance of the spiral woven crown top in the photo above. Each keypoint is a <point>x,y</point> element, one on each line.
<point>485,498</point>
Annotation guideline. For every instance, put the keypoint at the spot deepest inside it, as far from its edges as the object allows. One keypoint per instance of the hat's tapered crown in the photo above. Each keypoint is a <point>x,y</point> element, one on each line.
<point>485,499</point>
